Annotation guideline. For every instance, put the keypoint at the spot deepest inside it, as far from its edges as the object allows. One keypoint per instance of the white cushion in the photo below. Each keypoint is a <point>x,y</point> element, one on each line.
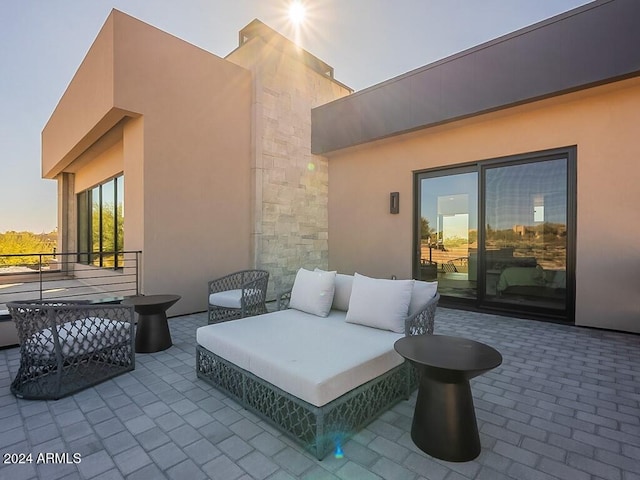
<point>79,337</point>
<point>312,360</point>
<point>229,298</point>
<point>313,292</point>
<point>342,293</point>
<point>379,303</point>
<point>422,293</point>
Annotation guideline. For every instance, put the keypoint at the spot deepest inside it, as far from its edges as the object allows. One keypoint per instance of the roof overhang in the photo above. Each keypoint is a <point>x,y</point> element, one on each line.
<point>589,46</point>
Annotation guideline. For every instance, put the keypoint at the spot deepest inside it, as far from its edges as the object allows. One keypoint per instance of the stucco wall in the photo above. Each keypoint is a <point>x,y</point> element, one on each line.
<point>77,121</point>
<point>195,175</point>
<point>290,185</point>
<point>106,165</point>
<point>601,121</point>
<point>185,120</point>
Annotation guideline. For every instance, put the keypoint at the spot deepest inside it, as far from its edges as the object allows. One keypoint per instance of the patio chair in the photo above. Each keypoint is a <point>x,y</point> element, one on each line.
<point>238,295</point>
<point>449,267</point>
<point>69,346</point>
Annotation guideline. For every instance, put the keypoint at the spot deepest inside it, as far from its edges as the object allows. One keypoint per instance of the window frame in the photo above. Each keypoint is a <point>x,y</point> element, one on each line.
<point>85,202</point>
<point>480,303</point>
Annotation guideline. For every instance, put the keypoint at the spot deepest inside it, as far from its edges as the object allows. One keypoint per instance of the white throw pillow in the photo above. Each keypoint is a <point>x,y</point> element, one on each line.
<point>342,292</point>
<point>379,303</point>
<point>422,293</point>
<point>313,292</point>
<point>344,285</point>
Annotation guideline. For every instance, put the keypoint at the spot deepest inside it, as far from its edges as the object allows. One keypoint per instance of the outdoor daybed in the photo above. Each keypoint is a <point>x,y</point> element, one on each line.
<point>325,367</point>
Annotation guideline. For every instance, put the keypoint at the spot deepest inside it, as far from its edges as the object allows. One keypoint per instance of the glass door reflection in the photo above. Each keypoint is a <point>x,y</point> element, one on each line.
<point>526,234</point>
<point>448,232</point>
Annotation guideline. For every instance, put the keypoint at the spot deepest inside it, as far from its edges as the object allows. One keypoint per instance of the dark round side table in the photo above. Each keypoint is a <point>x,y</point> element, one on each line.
<point>152,332</point>
<point>444,422</point>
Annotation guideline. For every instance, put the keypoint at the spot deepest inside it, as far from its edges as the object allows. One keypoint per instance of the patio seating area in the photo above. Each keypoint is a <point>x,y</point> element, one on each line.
<point>564,404</point>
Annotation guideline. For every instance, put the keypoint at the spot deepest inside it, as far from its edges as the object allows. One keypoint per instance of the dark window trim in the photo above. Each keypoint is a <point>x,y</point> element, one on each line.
<point>418,176</point>
<point>480,166</point>
<point>115,221</point>
<point>87,255</point>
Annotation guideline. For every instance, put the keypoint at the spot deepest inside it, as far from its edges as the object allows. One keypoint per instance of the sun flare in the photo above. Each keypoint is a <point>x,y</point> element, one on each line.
<point>297,12</point>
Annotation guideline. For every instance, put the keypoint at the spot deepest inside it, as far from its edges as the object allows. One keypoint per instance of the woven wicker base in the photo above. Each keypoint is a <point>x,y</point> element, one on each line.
<point>48,382</point>
<point>317,429</point>
<point>66,347</point>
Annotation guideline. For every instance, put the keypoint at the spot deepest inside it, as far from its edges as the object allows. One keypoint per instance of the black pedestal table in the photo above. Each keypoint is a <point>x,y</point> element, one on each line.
<point>444,422</point>
<point>152,331</point>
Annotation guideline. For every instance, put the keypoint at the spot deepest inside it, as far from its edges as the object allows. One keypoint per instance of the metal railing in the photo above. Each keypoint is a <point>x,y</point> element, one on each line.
<point>69,276</point>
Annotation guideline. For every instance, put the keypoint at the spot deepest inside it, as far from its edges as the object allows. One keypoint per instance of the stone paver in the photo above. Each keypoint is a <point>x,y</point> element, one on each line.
<point>564,404</point>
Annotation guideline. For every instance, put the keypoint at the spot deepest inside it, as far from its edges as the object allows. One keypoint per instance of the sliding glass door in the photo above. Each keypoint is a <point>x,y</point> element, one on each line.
<point>525,225</point>
<point>448,231</point>
<point>500,234</point>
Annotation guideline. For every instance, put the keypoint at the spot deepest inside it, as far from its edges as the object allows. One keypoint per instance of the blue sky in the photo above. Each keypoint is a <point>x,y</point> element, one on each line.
<point>42,43</point>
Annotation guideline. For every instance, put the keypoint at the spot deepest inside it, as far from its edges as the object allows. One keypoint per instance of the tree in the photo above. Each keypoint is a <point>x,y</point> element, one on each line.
<point>425,229</point>
<point>26,243</point>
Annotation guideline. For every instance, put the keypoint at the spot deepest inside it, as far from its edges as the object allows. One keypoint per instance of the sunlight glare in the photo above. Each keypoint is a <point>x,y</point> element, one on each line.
<point>296,12</point>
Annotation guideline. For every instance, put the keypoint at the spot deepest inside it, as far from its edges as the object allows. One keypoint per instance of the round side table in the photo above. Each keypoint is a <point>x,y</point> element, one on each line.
<point>444,422</point>
<point>152,331</point>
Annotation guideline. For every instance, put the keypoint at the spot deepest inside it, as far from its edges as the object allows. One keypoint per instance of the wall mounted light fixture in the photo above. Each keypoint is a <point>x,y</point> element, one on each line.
<point>394,202</point>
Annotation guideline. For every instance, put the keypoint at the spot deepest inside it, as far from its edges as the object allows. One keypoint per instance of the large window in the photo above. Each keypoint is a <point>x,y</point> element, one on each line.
<point>101,224</point>
<point>500,234</point>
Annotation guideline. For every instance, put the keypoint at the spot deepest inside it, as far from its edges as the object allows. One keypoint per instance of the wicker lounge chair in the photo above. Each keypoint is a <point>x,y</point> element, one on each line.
<point>238,295</point>
<point>66,347</point>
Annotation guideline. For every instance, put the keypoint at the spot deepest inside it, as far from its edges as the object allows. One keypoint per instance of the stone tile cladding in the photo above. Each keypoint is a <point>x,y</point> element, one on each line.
<point>290,224</point>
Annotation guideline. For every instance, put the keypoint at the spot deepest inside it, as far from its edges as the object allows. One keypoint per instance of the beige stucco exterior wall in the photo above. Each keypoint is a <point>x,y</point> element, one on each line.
<point>602,122</point>
<point>85,111</point>
<point>104,166</point>
<point>290,185</point>
<point>183,117</point>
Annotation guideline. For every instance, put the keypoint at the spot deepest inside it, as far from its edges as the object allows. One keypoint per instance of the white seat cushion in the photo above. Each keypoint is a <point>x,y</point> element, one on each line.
<point>81,336</point>
<point>230,298</point>
<point>312,360</point>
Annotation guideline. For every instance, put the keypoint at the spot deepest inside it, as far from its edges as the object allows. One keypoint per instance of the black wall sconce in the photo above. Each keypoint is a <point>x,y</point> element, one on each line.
<point>394,202</point>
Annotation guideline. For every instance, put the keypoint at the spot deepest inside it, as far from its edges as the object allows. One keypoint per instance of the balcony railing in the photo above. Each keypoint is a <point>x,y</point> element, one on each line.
<point>45,276</point>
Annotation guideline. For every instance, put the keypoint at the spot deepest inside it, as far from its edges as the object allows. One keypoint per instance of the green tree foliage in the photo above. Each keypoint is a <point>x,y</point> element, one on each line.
<point>104,232</point>
<point>26,243</point>
<point>473,237</point>
<point>425,229</point>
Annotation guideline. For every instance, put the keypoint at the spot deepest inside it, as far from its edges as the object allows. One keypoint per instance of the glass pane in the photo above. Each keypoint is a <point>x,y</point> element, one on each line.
<point>95,226</point>
<point>84,227</point>
<point>108,224</point>
<point>526,234</point>
<point>120,220</point>
<point>449,233</point>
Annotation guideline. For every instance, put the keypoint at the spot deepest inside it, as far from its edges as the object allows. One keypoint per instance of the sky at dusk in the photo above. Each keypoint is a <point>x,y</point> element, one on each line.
<point>43,42</point>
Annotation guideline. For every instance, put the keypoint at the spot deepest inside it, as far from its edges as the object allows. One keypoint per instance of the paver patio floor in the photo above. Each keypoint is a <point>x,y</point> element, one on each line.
<point>564,404</point>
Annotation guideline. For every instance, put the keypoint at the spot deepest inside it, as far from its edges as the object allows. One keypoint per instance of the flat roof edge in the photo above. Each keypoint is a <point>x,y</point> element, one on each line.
<point>588,46</point>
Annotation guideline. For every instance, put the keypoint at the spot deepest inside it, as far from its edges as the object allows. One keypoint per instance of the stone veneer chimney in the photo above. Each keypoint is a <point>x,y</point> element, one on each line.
<point>289,184</point>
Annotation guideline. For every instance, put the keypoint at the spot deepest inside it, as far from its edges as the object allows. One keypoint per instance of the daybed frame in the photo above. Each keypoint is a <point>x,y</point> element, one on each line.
<point>318,429</point>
